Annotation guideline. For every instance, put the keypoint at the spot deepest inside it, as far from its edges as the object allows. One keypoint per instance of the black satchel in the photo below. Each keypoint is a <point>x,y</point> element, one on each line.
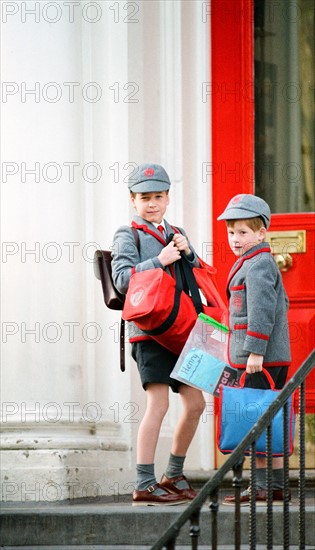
<point>112,298</point>
<point>103,271</point>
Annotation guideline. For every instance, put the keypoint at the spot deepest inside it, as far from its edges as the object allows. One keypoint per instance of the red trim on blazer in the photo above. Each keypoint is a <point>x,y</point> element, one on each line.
<point>145,229</point>
<point>242,260</point>
<point>159,237</point>
<point>240,327</point>
<point>139,338</point>
<point>258,335</point>
<point>239,287</point>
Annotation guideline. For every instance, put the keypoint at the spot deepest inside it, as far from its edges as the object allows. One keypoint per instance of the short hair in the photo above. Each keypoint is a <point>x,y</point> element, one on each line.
<point>134,193</point>
<point>253,223</point>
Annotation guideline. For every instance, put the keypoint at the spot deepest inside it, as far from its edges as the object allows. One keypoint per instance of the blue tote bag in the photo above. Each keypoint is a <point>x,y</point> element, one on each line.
<point>240,408</point>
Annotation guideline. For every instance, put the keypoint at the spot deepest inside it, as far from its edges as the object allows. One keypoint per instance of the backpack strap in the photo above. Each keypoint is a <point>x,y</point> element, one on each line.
<point>136,236</point>
<point>122,345</point>
<point>122,321</point>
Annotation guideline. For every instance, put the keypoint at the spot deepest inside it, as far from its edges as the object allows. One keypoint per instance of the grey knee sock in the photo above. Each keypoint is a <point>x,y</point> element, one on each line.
<point>277,478</point>
<point>146,478</point>
<point>261,478</point>
<point>175,468</point>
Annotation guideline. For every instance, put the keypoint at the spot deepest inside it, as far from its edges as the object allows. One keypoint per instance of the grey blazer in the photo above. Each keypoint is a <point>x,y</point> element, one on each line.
<point>126,258</point>
<point>258,308</point>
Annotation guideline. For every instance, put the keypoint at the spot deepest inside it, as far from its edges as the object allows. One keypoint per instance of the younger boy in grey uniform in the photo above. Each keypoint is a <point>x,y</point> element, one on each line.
<point>258,306</point>
<point>149,186</point>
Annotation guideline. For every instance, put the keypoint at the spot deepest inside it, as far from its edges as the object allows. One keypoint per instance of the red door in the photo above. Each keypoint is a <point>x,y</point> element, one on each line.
<point>233,146</point>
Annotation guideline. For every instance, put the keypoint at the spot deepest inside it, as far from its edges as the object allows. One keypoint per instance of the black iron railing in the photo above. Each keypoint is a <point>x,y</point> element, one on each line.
<point>235,462</point>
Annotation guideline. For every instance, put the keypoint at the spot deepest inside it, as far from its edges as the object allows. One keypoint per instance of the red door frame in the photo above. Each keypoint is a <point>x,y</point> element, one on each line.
<point>232,60</point>
<point>232,119</point>
<point>232,100</point>
<point>232,115</point>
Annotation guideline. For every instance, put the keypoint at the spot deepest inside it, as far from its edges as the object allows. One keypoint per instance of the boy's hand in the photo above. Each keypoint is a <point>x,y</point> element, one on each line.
<point>169,254</point>
<point>181,243</point>
<point>254,363</point>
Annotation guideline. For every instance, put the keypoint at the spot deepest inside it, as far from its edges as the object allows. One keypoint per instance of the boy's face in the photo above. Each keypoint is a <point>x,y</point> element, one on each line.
<point>242,238</point>
<point>151,206</point>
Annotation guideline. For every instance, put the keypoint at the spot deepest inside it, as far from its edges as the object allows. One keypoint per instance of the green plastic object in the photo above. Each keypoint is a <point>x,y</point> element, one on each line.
<point>213,322</point>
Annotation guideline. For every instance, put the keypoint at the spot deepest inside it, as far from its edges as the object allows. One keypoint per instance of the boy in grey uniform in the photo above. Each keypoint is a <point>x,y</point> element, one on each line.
<point>149,186</point>
<point>258,306</point>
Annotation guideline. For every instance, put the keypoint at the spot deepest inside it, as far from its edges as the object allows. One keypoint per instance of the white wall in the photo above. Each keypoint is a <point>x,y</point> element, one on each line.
<point>68,148</point>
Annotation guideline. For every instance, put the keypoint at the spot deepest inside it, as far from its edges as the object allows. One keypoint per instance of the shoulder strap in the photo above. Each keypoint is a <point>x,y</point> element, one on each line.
<point>145,229</point>
<point>192,284</point>
<point>190,278</point>
<point>136,237</point>
<point>122,321</point>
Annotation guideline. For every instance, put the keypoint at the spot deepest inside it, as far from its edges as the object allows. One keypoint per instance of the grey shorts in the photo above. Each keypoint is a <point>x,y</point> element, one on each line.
<point>155,363</point>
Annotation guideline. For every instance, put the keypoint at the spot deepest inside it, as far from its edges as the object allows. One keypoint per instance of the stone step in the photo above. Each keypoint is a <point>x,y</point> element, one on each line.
<point>98,523</point>
<point>137,547</point>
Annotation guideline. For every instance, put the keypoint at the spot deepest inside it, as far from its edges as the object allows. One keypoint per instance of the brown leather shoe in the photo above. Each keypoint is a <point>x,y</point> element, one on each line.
<point>169,483</point>
<point>278,496</point>
<point>148,498</point>
<point>261,497</point>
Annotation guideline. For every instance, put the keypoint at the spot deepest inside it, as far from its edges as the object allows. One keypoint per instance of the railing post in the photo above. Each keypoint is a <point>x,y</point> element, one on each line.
<point>302,468</point>
<point>214,507</point>
<point>237,483</point>
<point>252,519</point>
<point>171,544</point>
<point>211,488</point>
<point>286,520</point>
<point>269,523</point>
<point>194,529</point>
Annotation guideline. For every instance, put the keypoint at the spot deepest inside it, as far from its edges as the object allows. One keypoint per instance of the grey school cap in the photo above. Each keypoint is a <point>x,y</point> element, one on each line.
<point>148,178</point>
<point>242,207</point>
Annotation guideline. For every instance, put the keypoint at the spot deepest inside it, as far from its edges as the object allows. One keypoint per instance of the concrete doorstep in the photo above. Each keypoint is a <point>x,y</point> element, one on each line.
<point>93,522</point>
<point>141,547</point>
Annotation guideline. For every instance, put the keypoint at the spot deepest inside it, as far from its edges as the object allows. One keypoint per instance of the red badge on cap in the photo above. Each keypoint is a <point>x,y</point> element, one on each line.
<point>149,172</point>
<point>236,199</point>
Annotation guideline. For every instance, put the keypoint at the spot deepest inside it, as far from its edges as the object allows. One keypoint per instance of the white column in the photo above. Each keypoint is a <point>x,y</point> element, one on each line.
<point>90,90</point>
<point>65,411</point>
<point>185,151</point>
<point>196,156</point>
